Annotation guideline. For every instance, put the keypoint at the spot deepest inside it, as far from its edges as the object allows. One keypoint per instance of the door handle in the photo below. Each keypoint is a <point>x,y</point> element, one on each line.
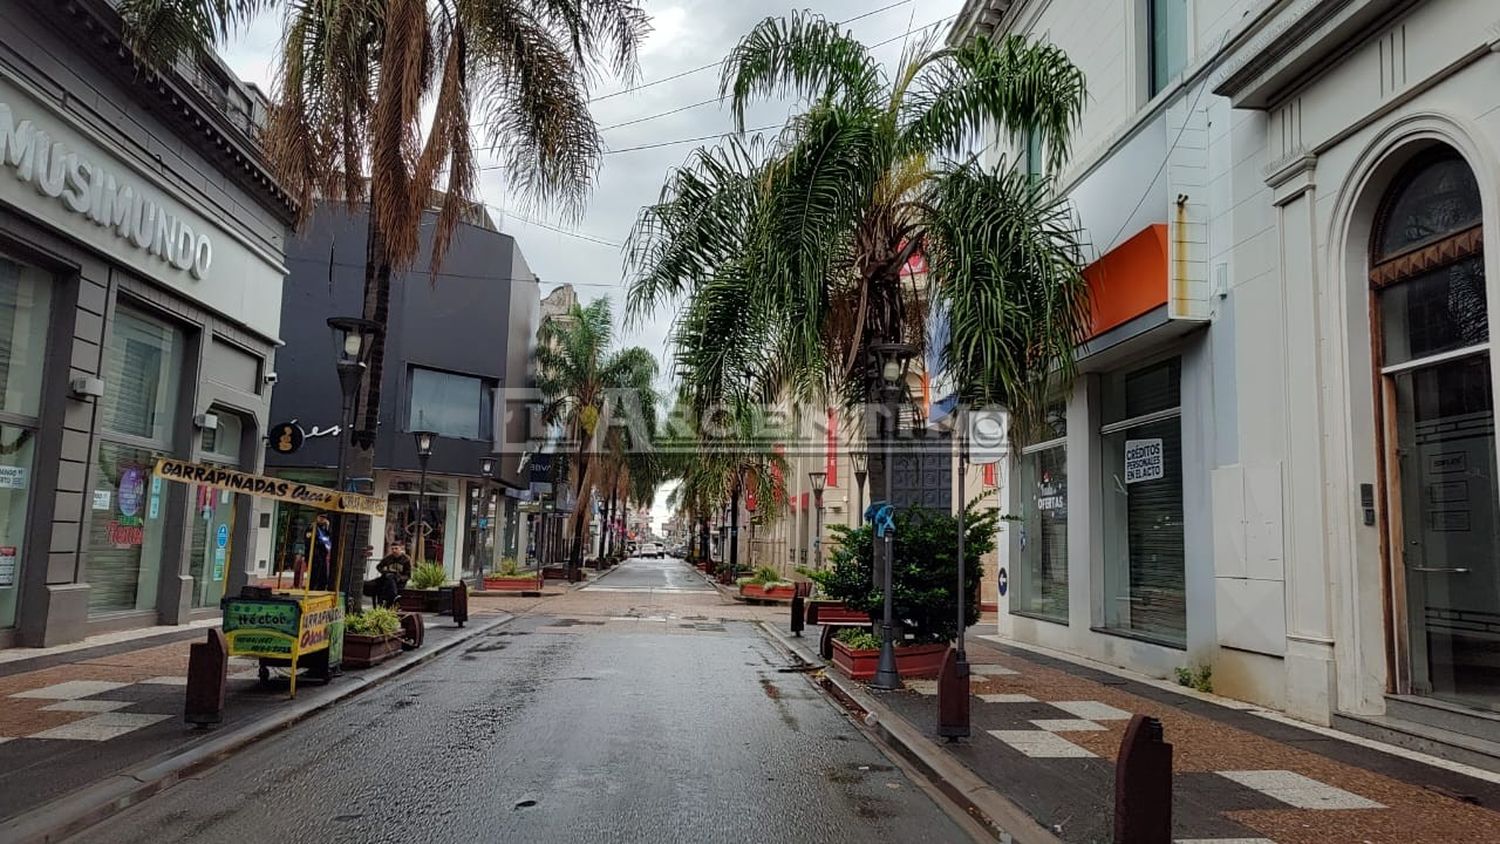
<point>1440,570</point>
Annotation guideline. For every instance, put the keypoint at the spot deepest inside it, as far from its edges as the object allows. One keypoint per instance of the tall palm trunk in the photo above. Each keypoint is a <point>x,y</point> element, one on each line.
<point>359,442</point>
<point>575,560</point>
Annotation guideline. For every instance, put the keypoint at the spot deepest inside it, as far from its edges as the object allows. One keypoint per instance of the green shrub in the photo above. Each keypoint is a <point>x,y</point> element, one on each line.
<point>1201,678</point>
<point>428,576</point>
<point>378,621</point>
<point>858,638</point>
<point>509,567</point>
<point>925,574</point>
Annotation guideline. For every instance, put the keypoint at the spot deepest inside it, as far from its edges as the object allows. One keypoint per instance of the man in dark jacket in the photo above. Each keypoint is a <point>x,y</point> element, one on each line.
<point>395,570</point>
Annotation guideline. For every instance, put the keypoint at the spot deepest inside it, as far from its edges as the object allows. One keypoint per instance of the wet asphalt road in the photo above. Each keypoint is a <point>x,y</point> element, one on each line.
<point>584,721</point>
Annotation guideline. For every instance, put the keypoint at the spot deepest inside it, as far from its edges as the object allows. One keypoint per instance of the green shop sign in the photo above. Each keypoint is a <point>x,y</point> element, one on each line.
<point>265,616</point>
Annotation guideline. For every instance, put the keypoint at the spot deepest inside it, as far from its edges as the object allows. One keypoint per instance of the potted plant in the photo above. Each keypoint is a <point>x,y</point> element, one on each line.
<point>371,637</point>
<point>766,584</point>
<point>924,585</point>
<point>422,591</point>
<point>512,578</point>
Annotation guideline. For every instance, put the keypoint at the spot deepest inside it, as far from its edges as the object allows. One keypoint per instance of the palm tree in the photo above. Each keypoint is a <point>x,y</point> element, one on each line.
<point>585,384</point>
<point>718,456</point>
<point>787,254</point>
<point>385,102</point>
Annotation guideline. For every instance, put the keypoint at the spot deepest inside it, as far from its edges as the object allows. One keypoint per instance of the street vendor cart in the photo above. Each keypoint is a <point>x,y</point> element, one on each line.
<point>298,629</point>
<point>290,629</point>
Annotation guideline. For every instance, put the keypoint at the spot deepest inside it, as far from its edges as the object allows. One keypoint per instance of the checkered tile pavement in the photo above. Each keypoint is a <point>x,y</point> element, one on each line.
<point>1046,735</point>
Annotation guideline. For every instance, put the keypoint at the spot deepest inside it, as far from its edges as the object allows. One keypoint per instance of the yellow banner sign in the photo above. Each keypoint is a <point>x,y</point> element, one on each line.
<point>262,486</point>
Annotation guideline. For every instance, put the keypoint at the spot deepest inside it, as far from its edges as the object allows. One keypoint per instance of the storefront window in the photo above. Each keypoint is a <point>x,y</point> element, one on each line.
<point>15,480</point>
<point>25,298</point>
<point>142,376</point>
<point>1144,561</point>
<point>126,508</point>
<point>452,405</point>
<point>440,512</point>
<point>1041,575</point>
<point>142,367</point>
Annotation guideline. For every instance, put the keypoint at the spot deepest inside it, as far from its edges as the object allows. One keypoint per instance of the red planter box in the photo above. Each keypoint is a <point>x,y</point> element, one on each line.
<point>765,593</point>
<point>834,612</point>
<point>912,661</point>
<point>518,583</point>
<point>365,651</point>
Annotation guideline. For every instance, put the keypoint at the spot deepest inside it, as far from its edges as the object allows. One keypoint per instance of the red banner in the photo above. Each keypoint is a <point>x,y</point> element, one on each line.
<point>806,498</point>
<point>831,461</point>
<point>989,475</point>
<point>779,481</point>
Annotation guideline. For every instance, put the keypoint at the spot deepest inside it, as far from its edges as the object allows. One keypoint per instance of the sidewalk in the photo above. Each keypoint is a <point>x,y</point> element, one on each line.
<point>88,725</point>
<point>1046,732</point>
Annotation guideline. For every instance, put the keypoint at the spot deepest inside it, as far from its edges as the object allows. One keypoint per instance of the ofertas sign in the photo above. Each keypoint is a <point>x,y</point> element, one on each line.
<point>103,196</point>
<point>1144,460</point>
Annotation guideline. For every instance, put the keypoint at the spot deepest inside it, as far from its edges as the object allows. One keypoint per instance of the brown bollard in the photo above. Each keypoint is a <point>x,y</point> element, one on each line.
<point>208,674</point>
<point>1143,785</point>
<point>461,603</point>
<point>799,606</point>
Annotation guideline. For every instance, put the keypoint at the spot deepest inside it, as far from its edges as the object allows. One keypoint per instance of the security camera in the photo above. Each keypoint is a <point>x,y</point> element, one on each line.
<point>271,377</point>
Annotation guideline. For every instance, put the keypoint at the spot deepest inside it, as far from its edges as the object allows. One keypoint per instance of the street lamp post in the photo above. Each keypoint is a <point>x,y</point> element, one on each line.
<point>424,451</point>
<point>859,459</point>
<point>351,338</point>
<point>893,360</point>
<point>486,471</point>
<point>953,681</point>
<point>819,482</point>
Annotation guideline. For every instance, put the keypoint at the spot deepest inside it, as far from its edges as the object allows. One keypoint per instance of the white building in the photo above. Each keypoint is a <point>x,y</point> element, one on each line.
<point>1281,453</point>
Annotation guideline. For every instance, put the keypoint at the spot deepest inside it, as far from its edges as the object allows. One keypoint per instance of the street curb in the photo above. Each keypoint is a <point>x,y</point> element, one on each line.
<point>998,814</point>
<point>73,813</point>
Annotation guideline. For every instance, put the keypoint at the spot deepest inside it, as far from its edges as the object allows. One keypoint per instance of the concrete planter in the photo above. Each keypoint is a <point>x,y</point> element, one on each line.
<point>912,661</point>
<point>362,651</point>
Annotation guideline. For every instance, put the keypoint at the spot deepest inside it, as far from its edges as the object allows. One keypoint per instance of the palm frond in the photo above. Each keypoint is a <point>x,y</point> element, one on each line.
<point>804,55</point>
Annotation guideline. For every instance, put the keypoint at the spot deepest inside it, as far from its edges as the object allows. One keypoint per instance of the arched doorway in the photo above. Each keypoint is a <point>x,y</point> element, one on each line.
<point>1430,332</point>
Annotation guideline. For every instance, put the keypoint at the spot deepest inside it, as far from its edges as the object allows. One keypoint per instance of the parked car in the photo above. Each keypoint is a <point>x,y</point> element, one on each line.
<point>651,549</point>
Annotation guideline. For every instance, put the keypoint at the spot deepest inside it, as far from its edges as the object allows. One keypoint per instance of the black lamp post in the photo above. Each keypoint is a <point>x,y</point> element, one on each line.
<point>352,342</point>
<point>859,459</point>
<point>424,451</point>
<point>486,471</point>
<point>953,680</point>
<point>892,360</point>
<point>819,482</point>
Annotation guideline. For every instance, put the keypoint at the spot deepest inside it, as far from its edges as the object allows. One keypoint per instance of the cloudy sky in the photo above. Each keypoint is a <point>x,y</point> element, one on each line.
<point>688,34</point>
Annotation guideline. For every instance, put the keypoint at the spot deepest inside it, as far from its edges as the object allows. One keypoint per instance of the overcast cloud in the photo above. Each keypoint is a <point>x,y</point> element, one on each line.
<point>687,35</point>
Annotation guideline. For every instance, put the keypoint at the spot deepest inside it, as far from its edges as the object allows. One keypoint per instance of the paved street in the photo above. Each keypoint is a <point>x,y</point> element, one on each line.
<point>628,711</point>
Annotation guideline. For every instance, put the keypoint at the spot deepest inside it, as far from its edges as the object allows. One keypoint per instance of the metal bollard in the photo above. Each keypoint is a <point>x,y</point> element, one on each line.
<point>798,608</point>
<point>1143,785</point>
<point>208,674</point>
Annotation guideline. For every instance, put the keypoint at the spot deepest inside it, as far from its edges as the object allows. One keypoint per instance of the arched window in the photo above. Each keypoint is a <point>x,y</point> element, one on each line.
<point>1426,263</point>
<point>1437,428</point>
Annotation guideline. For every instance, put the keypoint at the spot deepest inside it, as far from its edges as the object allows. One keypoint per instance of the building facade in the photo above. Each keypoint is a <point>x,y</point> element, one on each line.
<point>141,263</point>
<point>456,343</point>
<point>1280,460</point>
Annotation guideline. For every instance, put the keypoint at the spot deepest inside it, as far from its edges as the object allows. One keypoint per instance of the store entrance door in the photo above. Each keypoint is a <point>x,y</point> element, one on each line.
<point>213,543</point>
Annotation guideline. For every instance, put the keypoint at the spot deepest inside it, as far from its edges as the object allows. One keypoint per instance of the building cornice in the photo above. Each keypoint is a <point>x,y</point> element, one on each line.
<point>97,26</point>
<point>1292,39</point>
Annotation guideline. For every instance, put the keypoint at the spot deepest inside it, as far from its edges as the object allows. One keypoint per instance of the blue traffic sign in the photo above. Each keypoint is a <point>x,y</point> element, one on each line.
<point>221,540</point>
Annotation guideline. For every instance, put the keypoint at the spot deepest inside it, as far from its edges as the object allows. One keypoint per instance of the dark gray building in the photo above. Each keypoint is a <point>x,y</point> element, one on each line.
<point>141,264</point>
<point>454,342</point>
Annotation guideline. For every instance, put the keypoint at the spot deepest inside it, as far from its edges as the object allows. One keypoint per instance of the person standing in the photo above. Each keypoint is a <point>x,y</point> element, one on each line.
<point>320,568</point>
